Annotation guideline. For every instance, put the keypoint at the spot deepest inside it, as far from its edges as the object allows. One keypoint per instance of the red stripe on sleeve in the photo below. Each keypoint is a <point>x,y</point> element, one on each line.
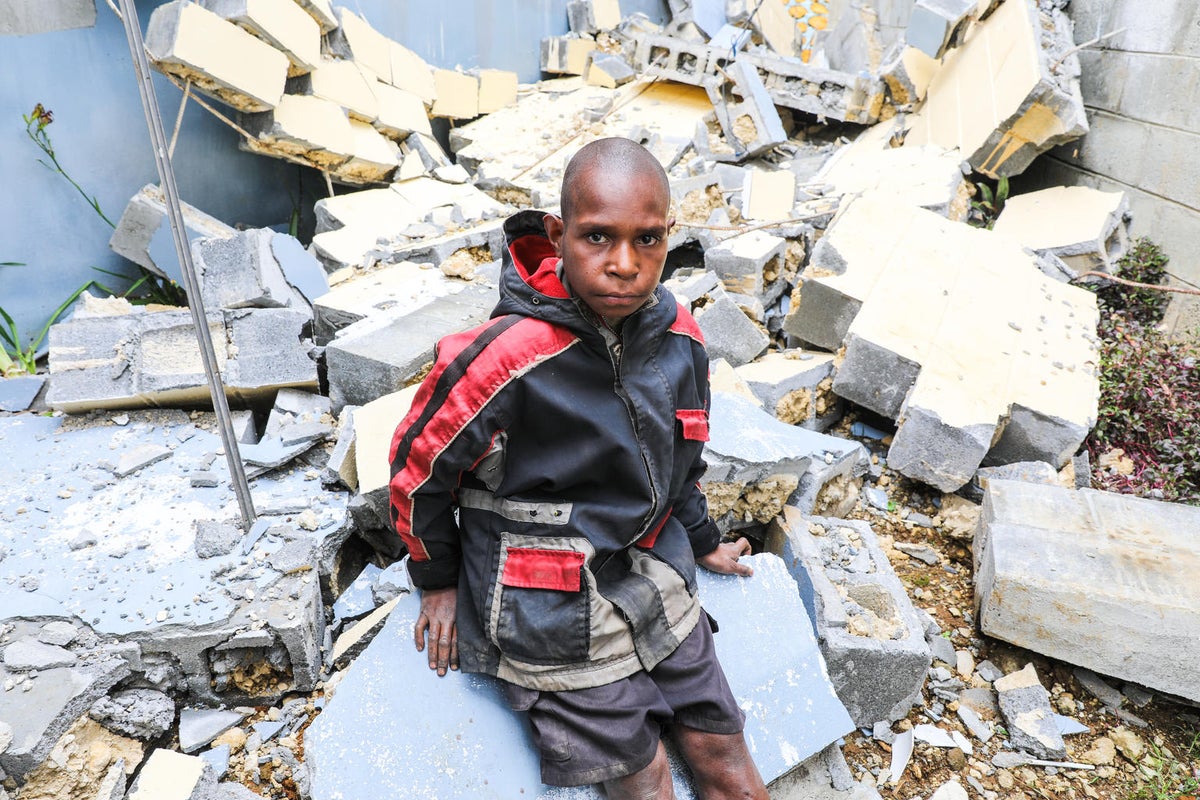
<point>685,324</point>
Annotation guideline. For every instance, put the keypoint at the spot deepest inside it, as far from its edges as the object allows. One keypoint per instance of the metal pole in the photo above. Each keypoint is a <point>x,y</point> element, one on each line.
<point>166,174</point>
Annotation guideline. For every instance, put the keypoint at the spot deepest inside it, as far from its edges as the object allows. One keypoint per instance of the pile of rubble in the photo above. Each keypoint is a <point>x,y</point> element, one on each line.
<point>144,633</point>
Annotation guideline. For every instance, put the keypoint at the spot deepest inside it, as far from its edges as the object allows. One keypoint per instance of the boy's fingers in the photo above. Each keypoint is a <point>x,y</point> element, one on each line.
<point>419,631</point>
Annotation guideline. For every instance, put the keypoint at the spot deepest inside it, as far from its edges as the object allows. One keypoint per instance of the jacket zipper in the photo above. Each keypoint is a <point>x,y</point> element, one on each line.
<point>614,351</point>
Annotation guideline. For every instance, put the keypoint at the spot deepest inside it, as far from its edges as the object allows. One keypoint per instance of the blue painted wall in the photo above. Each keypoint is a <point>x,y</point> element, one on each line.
<point>99,134</point>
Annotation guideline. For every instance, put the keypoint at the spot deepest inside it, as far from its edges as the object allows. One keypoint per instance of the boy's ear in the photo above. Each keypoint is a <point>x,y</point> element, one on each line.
<point>554,231</point>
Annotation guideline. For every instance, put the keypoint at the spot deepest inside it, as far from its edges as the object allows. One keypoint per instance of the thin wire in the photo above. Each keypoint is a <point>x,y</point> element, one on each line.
<point>187,92</point>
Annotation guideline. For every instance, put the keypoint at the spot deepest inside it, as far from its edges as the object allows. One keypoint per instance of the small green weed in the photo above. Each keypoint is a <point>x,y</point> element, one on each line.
<point>1149,388</point>
<point>18,356</point>
<point>1169,777</point>
<point>989,204</point>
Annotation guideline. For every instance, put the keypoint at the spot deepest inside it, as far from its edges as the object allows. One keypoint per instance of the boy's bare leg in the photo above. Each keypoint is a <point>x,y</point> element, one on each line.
<point>652,782</point>
<point>721,764</point>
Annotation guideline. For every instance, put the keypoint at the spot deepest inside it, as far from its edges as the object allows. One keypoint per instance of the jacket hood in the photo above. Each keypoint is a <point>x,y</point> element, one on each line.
<point>530,285</point>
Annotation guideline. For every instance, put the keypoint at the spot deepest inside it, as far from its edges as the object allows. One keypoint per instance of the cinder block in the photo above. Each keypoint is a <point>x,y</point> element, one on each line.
<point>566,55</point>
<point>280,23</point>
<point>219,58</point>
<point>142,218</point>
<point>593,16</point>
<point>400,112</point>
<point>750,263</point>
<point>870,635</point>
<point>1086,228</point>
<point>729,333</point>
<point>241,272</point>
<point>607,70</point>
<point>1091,578</point>
<point>457,94</point>
<point>355,40</point>
<point>497,89</point>
<point>341,82</point>
<point>795,387</point>
<point>997,98</point>
<point>152,358</point>
<point>391,290</point>
<point>411,73</point>
<point>768,194</point>
<point>673,58</point>
<point>368,361</point>
<point>306,128</point>
<point>826,93</point>
<point>1014,378</point>
<point>745,111</point>
<point>936,25</point>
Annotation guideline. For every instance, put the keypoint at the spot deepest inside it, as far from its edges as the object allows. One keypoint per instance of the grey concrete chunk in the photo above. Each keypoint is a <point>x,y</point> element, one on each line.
<point>216,538</point>
<point>728,332</point>
<point>1025,705</point>
<point>1091,578</point>
<point>978,728</point>
<point>141,221</point>
<point>140,457</point>
<point>241,271</point>
<point>199,726</point>
<point>467,725</point>
<point>25,655</point>
<point>871,637</point>
<point>935,24</point>
<point>138,713</point>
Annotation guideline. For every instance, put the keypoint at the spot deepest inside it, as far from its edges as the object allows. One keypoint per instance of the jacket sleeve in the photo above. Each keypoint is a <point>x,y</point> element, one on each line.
<point>448,429</point>
<point>692,508</point>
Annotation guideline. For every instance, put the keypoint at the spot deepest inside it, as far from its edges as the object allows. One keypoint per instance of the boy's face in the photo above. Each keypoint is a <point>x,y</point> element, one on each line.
<point>614,244</point>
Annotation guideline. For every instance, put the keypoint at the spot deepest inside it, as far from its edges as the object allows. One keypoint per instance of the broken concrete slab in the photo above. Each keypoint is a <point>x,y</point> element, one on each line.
<point>400,112</point>
<point>145,216</point>
<point>478,740</point>
<point>241,272</point>
<point>411,73</point>
<point>728,332</point>
<point>18,392</point>
<point>745,111</point>
<point>1087,228</point>
<point>963,382</point>
<point>374,357</point>
<point>1038,546</point>
<point>607,70</point>
<point>826,93</point>
<point>393,289</point>
<point>143,357</point>
<point>768,195</point>
<point>872,640</point>
<point>1029,719</point>
<point>929,177</point>
<point>795,387</point>
<point>751,263</point>
<point>566,55</point>
<point>168,775</point>
<point>342,82</point>
<point>308,129</point>
<point>593,16</point>
<point>282,24</point>
<point>1009,93</point>
<point>936,25</point>
<point>457,94</point>
<point>373,157</point>
<point>497,89</point>
<point>757,464</point>
<point>356,40</point>
<point>374,424</point>
<point>215,56</point>
<point>199,726</point>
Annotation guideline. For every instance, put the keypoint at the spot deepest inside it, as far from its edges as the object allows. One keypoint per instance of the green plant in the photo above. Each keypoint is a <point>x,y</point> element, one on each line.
<point>1149,388</point>
<point>16,355</point>
<point>36,123</point>
<point>987,208</point>
<point>1170,777</point>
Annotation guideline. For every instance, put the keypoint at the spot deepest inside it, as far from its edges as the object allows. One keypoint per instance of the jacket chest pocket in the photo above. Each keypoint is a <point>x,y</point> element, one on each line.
<point>540,609</point>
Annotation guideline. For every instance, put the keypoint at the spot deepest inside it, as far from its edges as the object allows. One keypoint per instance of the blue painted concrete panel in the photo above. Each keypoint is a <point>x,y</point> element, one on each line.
<point>393,728</point>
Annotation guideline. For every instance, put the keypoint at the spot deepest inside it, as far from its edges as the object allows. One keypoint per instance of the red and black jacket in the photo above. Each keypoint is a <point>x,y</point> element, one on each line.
<point>549,469</point>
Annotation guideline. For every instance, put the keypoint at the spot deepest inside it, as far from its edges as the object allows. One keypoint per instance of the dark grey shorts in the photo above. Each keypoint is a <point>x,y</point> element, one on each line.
<point>594,735</point>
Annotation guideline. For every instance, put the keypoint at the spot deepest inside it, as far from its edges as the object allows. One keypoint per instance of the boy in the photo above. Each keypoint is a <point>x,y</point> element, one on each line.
<point>567,432</point>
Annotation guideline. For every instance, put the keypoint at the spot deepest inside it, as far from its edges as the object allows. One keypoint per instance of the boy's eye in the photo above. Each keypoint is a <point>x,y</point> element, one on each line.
<point>595,238</point>
<point>648,239</point>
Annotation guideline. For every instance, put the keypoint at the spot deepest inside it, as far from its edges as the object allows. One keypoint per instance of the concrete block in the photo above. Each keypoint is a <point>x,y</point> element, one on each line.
<point>370,208</point>
<point>673,58</point>
<point>373,157</point>
<point>872,640</point>
<point>151,358</point>
<point>168,775</point>
<point>464,723</point>
<point>305,128</point>
<point>18,392</point>
<point>145,216</point>
<point>30,17</point>
<point>750,263</point>
<point>1025,706</point>
<point>497,89</point>
<point>593,16</point>
<point>457,94</point>
<point>757,464</point>
<point>355,40</point>
<point>768,194</point>
<point>392,290</point>
<point>918,359</point>
<point>566,55</point>
<point>400,112</point>
<point>608,70</point>
<point>341,82</point>
<point>795,386</point>
<point>929,177</point>
<point>280,23</point>
<point>322,13</point>
<point>411,73</point>
<point>1016,105</point>
<point>936,25</point>
<point>1087,228</point>
<point>846,96</point>
<point>371,359</point>
<point>374,425</point>
<point>745,110</point>
<point>1039,546</point>
<point>241,272</point>
<point>729,333</point>
<point>218,58</point>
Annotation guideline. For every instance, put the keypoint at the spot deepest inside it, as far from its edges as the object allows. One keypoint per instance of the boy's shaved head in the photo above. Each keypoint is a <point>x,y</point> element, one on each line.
<point>615,157</point>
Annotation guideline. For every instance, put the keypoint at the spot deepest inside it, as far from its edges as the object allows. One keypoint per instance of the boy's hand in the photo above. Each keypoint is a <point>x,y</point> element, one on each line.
<point>725,558</point>
<point>437,617</point>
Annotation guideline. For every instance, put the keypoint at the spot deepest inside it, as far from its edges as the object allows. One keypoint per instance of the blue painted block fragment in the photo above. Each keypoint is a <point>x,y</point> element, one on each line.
<point>17,394</point>
<point>299,266</point>
<point>393,728</point>
<point>358,600</point>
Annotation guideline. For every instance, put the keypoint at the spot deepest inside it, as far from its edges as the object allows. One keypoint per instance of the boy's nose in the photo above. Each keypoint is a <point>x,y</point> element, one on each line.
<point>623,262</point>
